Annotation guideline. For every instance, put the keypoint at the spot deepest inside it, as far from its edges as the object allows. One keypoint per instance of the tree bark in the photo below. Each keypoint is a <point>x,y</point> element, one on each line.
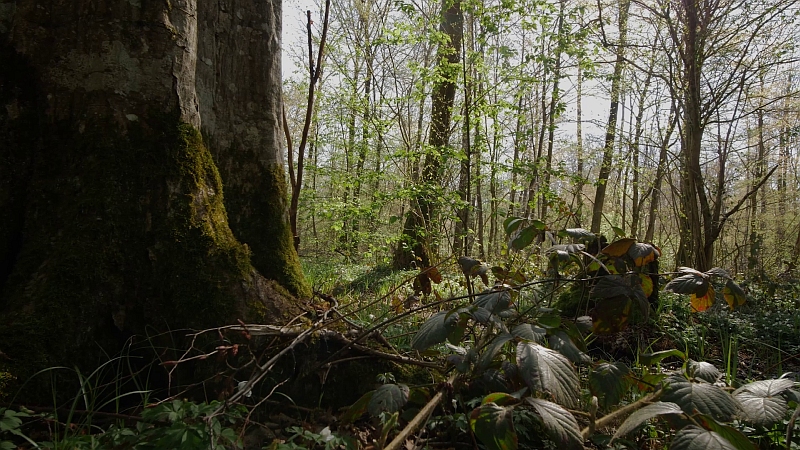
<point>130,118</point>
<point>415,243</point>
<point>611,126</point>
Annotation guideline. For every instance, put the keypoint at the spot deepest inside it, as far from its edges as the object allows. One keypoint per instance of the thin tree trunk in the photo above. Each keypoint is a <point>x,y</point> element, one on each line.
<point>579,132</point>
<point>611,125</point>
<point>660,171</point>
<point>415,247</point>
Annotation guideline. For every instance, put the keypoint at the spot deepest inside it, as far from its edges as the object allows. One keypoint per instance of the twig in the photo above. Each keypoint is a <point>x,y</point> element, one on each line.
<point>399,441</point>
<point>262,370</point>
<point>620,413</point>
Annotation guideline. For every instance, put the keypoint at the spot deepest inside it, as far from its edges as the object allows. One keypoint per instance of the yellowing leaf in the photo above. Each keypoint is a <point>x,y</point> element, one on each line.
<point>397,304</point>
<point>704,302</point>
<point>734,295</point>
<point>618,248</point>
<point>647,284</point>
<point>611,314</point>
<point>642,254</point>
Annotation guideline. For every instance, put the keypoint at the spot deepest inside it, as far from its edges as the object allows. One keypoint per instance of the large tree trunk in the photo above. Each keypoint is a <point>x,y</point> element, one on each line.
<point>122,123</point>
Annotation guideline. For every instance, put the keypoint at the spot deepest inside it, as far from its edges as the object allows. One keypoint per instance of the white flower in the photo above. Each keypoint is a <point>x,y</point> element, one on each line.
<point>326,434</point>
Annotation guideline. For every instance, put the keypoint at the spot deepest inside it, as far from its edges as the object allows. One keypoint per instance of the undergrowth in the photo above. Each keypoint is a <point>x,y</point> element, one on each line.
<point>501,365</point>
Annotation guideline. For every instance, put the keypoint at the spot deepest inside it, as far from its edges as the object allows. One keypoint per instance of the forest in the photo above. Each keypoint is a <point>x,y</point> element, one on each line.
<point>405,224</point>
<point>670,122</point>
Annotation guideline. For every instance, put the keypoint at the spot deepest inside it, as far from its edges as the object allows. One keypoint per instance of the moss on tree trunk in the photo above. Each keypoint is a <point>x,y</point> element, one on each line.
<point>113,222</point>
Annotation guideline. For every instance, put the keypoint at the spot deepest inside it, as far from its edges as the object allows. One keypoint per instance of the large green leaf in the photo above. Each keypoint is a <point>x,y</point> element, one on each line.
<point>561,342</point>
<point>388,398</point>
<point>732,435</point>
<point>435,330</point>
<point>545,370</point>
<point>688,284</point>
<point>511,224</point>
<point>580,234</point>
<point>656,357</point>
<point>701,397</point>
<point>494,426</point>
<point>609,382</point>
<point>620,285</point>
<point>610,315</point>
<point>644,414</point>
<point>702,370</point>
<point>761,401</point>
<point>529,332</point>
<point>524,237</point>
<point>492,349</point>
<point>548,318</point>
<point>559,423</point>
<point>566,248</point>
<point>695,438</point>
<point>494,301</point>
<point>767,388</point>
<point>718,272</point>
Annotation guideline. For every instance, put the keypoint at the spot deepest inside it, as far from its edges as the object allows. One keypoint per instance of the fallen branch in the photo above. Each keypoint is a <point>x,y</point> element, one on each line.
<point>613,416</point>
<point>422,416</point>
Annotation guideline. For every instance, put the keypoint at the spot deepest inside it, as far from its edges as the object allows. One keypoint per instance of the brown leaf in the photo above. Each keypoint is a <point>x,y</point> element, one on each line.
<point>433,274</point>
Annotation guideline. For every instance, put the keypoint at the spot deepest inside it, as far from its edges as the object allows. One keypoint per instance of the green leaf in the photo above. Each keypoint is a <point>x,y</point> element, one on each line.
<point>695,438</point>
<point>611,314</point>
<point>357,409</point>
<point>530,332</point>
<point>511,224</point>
<point>644,414</point>
<point>435,330</point>
<point>702,370</point>
<point>545,370</point>
<point>492,349</point>
<point>566,248</point>
<point>609,382</point>
<point>467,264</point>
<point>688,284</point>
<point>648,359</point>
<point>577,233</point>
<point>494,301</point>
<point>730,434</point>
<point>457,331</point>
<point>500,398</point>
<point>388,398</point>
<point>561,342</point>
<point>702,397</point>
<point>718,272</point>
<point>559,423</point>
<point>549,319</point>
<point>522,238</point>
<point>761,401</point>
<point>494,426</point>
<point>614,286</point>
